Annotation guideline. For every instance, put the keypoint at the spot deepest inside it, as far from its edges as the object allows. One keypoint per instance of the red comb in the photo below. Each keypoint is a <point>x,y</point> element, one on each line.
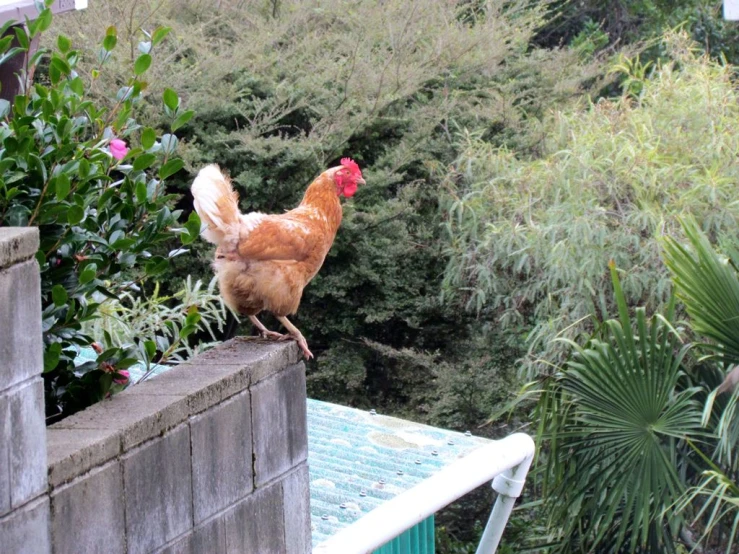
<point>351,165</point>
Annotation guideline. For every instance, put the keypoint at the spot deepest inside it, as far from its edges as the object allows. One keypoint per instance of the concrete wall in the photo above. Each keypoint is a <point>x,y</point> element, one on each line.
<point>209,457</point>
<point>24,505</point>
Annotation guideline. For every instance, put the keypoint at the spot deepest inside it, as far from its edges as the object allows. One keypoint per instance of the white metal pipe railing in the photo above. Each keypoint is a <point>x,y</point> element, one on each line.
<point>506,460</point>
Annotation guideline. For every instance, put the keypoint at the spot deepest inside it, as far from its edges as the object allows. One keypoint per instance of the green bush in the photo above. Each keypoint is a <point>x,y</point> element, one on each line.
<point>637,440</point>
<point>529,238</point>
<point>613,420</point>
<point>280,98</point>
<point>92,180</point>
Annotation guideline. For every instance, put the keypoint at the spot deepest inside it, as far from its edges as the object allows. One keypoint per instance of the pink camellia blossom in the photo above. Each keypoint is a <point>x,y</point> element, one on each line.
<point>124,377</point>
<point>118,149</point>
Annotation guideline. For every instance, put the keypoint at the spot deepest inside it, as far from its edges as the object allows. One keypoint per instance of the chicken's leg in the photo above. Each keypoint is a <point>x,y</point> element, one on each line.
<point>263,331</point>
<point>297,335</point>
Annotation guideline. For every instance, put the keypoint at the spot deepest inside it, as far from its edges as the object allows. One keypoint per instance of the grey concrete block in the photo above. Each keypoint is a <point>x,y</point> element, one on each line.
<point>296,505</point>
<point>204,386</point>
<point>157,482</point>
<point>209,538</point>
<point>87,514</point>
<point>138,418</point>
<point>256,525</point>
<point>279,424</point>
<point>73,452</point>
<point>17,244</point>
<point>26,531</point>
<point>221,456</point>
<point>260,358</point>
<point>5,477</point>
<point>21,348</point>
<point>22,431</point>
<point>221,372</point>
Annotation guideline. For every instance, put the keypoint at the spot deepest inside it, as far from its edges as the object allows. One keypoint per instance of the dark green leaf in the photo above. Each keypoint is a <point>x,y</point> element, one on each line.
<point>142,64</point>
<point>63,43</point>
<point>62,187</point>
<point>170,168</point>
<point>171,100</point>
<point>59,295</point>
<point>148,138</point>
<point>51,356</point>
<point>44,19</point>
<point>187,330</point>
<point>156,265</point>
<point>78,86</point>
<point>141,192</point>
<point>106,382</point>
<point>125,363</point>
<point>75,215</point>
<point>109,42</point>
<point>5,42</point>
<point>61,65</point>
<point>144,161</point>
<point>193,224</point>
<point>88,274</point>
<point>21,36</point>
<point>151,348</point>
<point>182,119</point>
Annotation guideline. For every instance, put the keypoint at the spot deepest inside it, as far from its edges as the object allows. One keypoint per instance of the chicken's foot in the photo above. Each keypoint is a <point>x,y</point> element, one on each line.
<point>264,332</point>
<point>297,335</point>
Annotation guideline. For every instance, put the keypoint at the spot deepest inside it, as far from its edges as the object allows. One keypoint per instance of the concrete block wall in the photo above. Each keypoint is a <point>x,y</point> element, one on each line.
<point>210,457</point>
<point>24,504</point>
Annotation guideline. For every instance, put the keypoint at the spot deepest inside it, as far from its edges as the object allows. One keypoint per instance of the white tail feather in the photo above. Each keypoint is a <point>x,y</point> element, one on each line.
<point>216,203</point>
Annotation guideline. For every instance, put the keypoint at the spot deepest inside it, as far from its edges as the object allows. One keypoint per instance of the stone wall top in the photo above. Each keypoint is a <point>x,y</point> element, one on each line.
<point>17,244</point>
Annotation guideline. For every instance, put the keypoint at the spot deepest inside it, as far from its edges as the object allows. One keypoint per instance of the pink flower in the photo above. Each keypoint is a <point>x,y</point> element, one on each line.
<point>118,149</point>
<point>124,377</point>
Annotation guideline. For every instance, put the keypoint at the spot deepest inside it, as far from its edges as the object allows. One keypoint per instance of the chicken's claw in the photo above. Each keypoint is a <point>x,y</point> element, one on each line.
<point>297,335</point>
<point>304,347</point>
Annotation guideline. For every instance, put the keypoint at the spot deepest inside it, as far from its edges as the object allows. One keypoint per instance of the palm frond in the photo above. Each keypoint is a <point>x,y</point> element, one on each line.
<point>708,286</point>
<point>614,455</point>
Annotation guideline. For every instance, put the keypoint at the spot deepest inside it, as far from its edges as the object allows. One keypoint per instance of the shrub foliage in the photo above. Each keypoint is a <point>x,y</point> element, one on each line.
<point>529,238</point>
<point>104,216</point>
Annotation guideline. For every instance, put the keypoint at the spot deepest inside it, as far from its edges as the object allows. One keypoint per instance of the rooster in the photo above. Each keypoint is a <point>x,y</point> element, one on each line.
<point>264,261</point>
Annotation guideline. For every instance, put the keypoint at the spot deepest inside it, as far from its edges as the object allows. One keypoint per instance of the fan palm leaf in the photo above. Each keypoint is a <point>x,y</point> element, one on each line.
<point>708,286</point>
<point>614,468</point>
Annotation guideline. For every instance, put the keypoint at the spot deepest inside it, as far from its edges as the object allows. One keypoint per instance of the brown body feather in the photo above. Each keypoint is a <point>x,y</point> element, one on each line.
<point>276,256</point>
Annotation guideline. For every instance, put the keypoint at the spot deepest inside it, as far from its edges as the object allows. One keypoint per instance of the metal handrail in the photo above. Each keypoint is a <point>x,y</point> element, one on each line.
<point>505,462</point>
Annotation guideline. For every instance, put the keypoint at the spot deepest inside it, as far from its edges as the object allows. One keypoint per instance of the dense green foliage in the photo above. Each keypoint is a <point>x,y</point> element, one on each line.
<point>640,445</point>
<point>529,239</point>
<point>595,24</point>
<point>615,417</point>
<point>102,215</point>
<point>708,284</point>
<point>287,96</point>
<point>499,187</point>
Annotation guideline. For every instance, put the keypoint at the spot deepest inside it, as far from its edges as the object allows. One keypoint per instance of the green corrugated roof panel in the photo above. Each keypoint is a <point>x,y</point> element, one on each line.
<point>358,460</point>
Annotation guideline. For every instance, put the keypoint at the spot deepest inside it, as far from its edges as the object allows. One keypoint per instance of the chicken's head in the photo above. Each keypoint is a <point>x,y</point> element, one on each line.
<point>347,178</point>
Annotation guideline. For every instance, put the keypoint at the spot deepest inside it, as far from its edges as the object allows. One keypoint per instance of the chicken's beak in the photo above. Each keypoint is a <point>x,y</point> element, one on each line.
<point>361,181</point>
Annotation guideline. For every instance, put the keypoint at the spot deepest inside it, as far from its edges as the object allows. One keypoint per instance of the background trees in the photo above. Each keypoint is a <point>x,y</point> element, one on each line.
<point>511,149</point>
